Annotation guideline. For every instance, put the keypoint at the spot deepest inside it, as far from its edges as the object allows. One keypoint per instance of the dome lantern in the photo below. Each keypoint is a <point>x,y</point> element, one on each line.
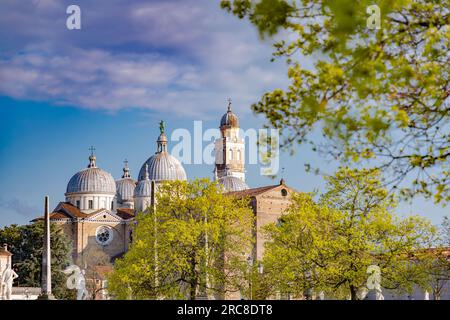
<point>126,170</point>
<point>162,166</point>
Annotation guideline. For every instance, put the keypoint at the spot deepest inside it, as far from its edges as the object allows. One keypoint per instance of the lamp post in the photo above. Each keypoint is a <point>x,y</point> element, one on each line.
<point>250,263</point>
<point>308,291</point>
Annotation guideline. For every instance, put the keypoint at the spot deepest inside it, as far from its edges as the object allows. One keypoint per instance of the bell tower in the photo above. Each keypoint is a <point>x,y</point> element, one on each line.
<point>230,148</point>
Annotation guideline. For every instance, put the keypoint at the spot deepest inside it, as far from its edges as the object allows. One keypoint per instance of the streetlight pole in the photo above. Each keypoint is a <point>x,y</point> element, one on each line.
<point>250,263</point>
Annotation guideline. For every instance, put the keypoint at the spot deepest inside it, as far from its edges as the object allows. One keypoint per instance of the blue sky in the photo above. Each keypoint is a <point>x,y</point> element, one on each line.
<point>132,64</point>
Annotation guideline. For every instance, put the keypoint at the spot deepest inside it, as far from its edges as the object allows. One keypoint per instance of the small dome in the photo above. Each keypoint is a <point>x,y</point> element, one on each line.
<point>229,119</point>
<point>125,189</point>
<point>125,186</point>
<point>144,185</point>
<point>92,180</point>
<point>143,189</point>
<point>231,183</point>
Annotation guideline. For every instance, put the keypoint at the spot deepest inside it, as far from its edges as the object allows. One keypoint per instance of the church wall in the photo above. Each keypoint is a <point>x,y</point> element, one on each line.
<point>115,247</point>
<point>83,236</point>
<point>268,208</point>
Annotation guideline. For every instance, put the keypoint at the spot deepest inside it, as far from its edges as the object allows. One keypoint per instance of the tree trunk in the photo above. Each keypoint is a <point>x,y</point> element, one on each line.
<point>353,293</point>
<point>194,279</point>
<point>193,291</point>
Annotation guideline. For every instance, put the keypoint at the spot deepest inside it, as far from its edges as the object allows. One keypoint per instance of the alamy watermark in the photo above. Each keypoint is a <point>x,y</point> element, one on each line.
<point>374,20</point>
<point>73,21</point>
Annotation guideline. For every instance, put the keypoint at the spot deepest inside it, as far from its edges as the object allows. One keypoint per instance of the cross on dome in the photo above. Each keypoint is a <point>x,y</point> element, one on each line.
<point>92,158</point>
<point>126,170</point>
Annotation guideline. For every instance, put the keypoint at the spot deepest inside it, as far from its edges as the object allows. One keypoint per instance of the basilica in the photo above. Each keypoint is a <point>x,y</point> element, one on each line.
<point>99,211</point>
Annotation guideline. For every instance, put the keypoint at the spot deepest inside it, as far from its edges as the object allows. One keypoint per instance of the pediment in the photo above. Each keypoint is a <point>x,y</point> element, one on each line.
<point>104,216</point>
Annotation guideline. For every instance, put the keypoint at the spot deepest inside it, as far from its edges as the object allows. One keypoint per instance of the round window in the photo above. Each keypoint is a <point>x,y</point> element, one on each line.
<point>284,192</point>
<point>104,235</point>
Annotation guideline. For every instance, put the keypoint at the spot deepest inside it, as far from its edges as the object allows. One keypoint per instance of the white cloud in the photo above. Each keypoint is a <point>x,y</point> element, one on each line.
<point>181,57</point>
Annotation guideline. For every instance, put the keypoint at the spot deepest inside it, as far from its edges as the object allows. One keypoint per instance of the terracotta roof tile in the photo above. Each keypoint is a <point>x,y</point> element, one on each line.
<point>103,270</point>
<point>125,213</point>
<point>4,251</point>
<point>66,207</point>
<point>64,210</point>
<point>252,192</point>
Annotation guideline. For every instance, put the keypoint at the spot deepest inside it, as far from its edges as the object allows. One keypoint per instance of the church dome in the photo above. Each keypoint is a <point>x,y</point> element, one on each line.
<point>231,183</point>
<point>125,186</point>
<point>229,119</point>
<point>92,180</point>
<point>162,166</point>
<point>143,189</point>
<point>144,185</point>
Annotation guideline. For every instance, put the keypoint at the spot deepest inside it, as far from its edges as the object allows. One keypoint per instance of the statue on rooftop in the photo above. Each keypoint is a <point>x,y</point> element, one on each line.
<point>162,126</point>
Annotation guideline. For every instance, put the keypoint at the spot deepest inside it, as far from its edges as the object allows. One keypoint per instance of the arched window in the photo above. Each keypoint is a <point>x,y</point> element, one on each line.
<point>239,155</point>
<point>231,154</point>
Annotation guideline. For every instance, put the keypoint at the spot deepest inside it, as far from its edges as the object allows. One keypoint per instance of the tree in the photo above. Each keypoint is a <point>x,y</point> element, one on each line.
<point>96,264</point>
<point>328,246</point>
<point>436,262</point>
<point>195,243</point>
<point>377,96</point>
<point>26,244</point>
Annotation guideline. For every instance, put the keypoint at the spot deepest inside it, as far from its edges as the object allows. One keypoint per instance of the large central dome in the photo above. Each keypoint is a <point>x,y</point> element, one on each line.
<point>162,166</point>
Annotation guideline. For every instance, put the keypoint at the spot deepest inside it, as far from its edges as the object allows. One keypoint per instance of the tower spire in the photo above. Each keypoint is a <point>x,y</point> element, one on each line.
<point>126,170</point>
<point>92,158</point>
<point>230,160</point>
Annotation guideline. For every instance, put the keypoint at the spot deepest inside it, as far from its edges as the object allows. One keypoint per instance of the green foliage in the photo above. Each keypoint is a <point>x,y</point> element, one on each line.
<point>328,246</point>
<point>26,244</point>
<point>377,96</point>
<point>436,262</point>
<point>196,242</point>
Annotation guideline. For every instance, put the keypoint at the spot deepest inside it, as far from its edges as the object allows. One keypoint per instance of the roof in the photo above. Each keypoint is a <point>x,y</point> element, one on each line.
<point>66,210</point>
<point>5,252</point>
<point>125,213</point>
<point>102,271</point>
<point>252,192</point>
